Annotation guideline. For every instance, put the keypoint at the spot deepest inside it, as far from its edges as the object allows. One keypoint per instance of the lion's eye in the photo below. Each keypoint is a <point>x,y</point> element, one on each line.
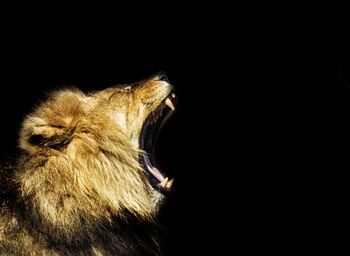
<point>127,89</point>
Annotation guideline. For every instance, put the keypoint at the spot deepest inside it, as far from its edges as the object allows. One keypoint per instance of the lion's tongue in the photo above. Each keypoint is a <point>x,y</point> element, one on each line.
<point>155,172</point>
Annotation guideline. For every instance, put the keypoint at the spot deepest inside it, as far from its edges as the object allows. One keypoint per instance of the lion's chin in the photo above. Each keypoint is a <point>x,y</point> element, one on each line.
<point>148,136</point>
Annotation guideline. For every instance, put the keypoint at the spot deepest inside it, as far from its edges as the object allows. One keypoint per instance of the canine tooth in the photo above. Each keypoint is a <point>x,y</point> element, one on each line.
<point>169,103</point>
<point>169,184</point>
<point>164,182</point>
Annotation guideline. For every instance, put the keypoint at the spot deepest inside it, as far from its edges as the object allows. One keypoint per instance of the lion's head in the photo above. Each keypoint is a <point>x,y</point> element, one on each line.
<point>90,154</point>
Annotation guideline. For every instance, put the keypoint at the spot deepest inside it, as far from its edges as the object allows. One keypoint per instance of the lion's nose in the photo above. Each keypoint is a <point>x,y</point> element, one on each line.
<point>161,76</point>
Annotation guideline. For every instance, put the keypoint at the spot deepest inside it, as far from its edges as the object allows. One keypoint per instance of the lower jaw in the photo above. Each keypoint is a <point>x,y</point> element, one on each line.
<point>157,180</point>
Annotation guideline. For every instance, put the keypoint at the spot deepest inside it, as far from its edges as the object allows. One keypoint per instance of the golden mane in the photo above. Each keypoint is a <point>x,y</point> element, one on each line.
<point>83,185</point>
<point>112,174</point>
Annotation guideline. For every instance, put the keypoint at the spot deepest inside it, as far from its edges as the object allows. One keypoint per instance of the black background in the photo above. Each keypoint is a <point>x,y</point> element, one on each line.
<point>258,142</point>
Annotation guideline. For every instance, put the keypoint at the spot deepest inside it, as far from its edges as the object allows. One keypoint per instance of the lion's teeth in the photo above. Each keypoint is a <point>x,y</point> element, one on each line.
<point>173,95</point>
<point>169,103</point>
<point>169,184</point>
<point>164,182</point>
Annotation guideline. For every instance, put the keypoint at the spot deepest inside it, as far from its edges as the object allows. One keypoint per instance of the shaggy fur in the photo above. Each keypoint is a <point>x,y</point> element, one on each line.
<point>79,188</point>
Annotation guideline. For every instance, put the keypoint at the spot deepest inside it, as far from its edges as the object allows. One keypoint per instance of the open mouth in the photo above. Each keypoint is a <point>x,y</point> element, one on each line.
<point>148,136</point>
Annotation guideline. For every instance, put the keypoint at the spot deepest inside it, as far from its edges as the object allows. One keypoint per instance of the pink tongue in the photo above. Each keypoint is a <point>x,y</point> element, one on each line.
<point>155,173</point>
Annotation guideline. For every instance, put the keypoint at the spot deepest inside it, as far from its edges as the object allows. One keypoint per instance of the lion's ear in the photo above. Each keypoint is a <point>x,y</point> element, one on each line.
<point>38,137</point>
<point>52,124</point>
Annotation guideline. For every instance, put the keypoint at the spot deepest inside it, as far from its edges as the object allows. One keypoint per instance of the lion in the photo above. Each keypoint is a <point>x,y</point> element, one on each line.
<point>85,182</point>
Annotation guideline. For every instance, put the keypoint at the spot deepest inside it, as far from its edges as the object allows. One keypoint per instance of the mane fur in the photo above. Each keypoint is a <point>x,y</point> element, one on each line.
<point>84,192</point>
